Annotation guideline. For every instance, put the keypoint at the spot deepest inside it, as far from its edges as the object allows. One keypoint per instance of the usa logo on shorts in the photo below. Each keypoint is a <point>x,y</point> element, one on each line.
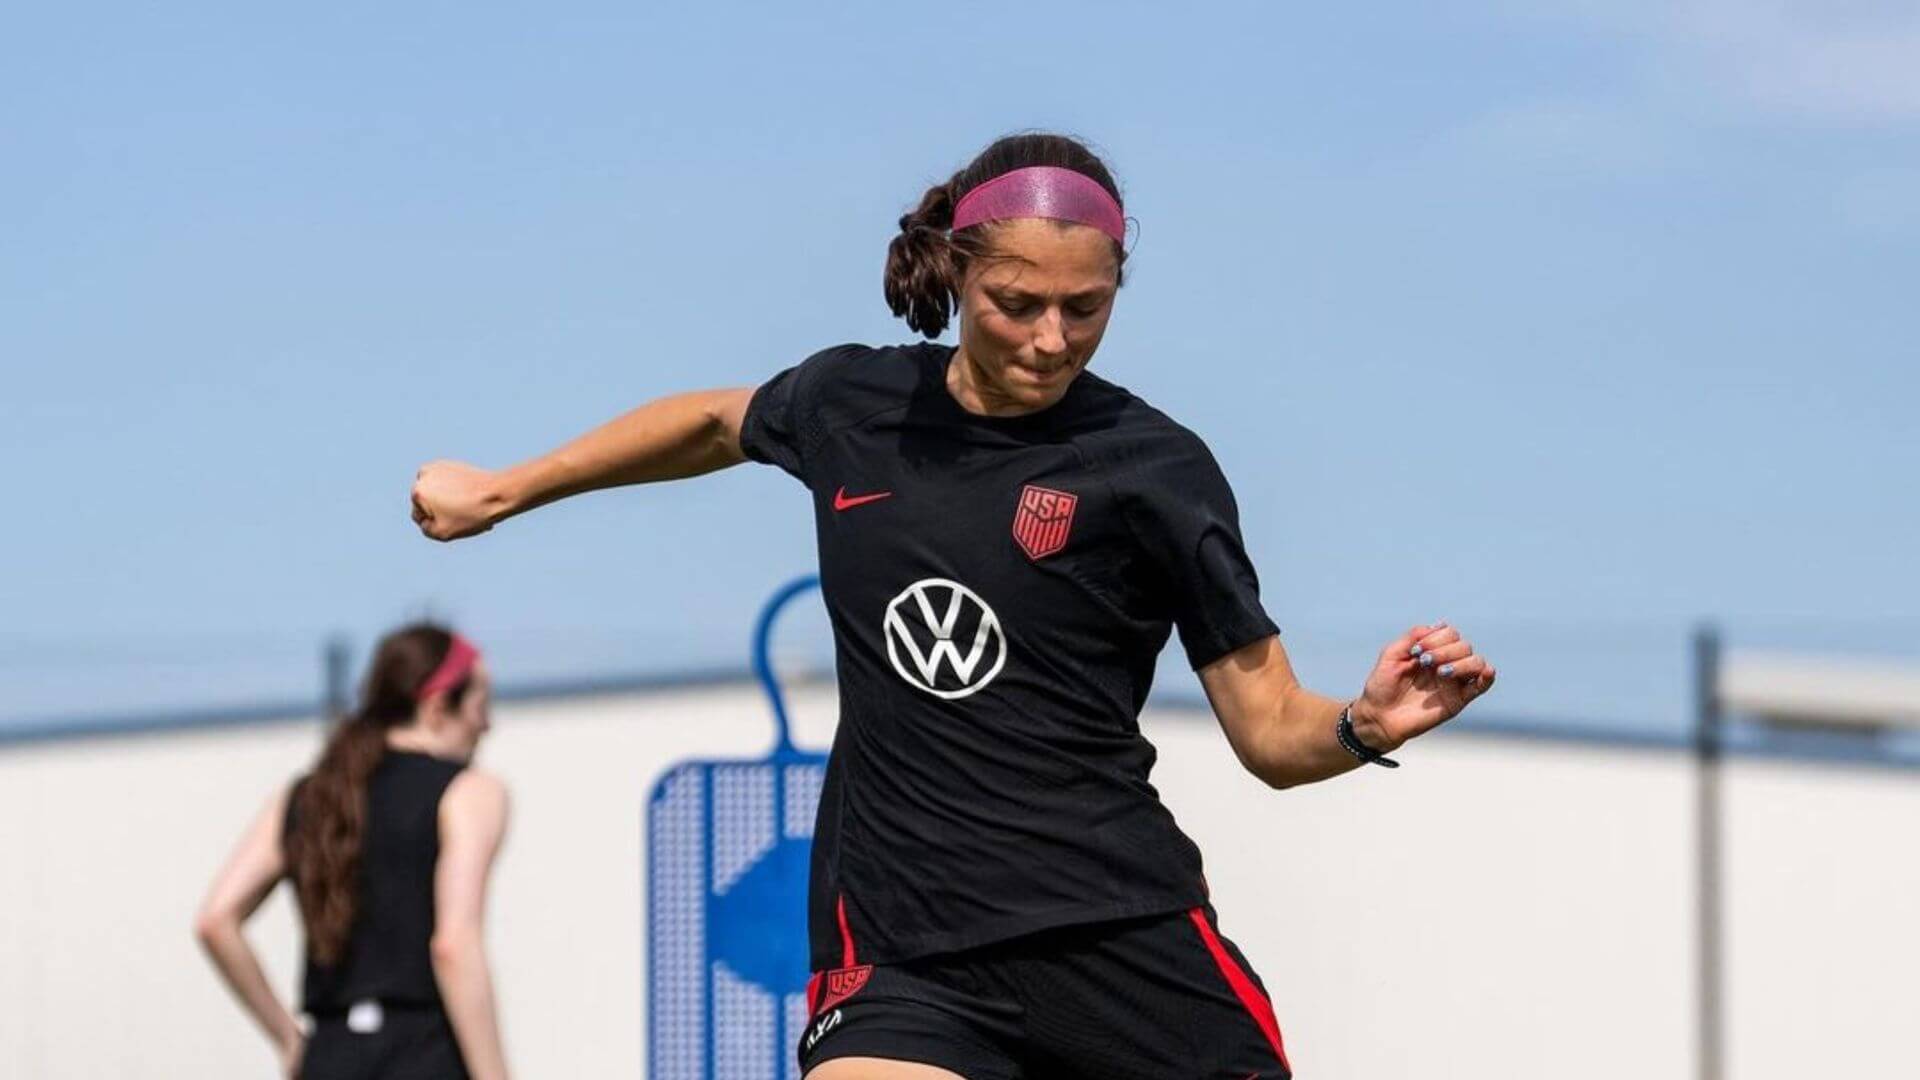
<point>1045,517</point>
<point>843,983</point>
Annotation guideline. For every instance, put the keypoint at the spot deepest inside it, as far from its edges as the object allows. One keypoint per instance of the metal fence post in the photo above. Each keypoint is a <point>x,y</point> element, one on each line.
<point>334,661</point>
<point>1707,747</point>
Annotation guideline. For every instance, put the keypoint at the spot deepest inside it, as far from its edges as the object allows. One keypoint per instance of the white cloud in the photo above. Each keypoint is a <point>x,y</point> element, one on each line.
<point>1823,59</point>
<point>1846,60</point>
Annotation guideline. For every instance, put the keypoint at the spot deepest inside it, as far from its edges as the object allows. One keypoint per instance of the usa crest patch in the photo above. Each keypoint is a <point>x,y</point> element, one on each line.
<point>1045,517</point>
<point>843,983</point>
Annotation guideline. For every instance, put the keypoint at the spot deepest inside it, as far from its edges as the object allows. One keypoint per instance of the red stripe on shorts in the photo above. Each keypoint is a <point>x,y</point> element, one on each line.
<point>1251,998</point>
<point>846,935</point>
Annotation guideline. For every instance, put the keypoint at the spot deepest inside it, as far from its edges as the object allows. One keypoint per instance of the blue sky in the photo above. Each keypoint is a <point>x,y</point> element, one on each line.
<point>1571,321</point>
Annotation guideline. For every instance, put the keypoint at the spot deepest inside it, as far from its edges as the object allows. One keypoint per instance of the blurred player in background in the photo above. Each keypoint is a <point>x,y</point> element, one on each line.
<point>388,841</point>
<point>1005,545</point>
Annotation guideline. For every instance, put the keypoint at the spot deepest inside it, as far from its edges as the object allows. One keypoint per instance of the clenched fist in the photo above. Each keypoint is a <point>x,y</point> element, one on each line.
<point>452,500</point>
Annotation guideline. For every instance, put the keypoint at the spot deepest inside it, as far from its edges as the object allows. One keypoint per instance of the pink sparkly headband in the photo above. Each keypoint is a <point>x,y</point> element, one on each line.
<point>460,661</point>
<point>1043,191</point>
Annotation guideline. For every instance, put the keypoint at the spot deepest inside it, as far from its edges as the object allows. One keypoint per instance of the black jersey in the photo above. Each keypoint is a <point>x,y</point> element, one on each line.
<point>387,957</point>
<point>999,589</point>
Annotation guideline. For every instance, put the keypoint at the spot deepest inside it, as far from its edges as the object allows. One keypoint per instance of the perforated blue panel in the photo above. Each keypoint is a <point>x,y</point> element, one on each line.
<point>727,845</point>
<point>727,849</point>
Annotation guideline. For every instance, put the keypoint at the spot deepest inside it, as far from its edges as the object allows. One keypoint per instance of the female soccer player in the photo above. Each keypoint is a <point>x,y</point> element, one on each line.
<point>1005,542</point>
<point>389,842</point>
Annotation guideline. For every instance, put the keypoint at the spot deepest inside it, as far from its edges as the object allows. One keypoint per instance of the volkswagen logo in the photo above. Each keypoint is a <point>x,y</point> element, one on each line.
<point>944,639</point>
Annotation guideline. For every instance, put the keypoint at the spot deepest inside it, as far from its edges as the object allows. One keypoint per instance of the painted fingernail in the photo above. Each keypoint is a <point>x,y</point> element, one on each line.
<point>1446,669</point>
<point>1415,651</point>
<point>1426,660</point>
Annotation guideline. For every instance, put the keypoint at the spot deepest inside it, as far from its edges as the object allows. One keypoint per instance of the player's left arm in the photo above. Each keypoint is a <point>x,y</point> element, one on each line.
<point>1284,733</point>
<point>473,824</point>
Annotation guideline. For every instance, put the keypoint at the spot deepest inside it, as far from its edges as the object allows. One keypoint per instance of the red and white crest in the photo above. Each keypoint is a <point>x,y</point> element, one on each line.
<point>1045,517</point>
<point>843,983</point>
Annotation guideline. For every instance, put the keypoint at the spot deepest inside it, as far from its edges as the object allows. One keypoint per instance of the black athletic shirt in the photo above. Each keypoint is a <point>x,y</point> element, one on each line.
<point>387,957</point>
<point>999,589</point>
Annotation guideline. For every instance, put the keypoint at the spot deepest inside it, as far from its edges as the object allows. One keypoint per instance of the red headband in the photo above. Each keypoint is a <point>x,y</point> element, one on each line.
<point>459,663</point>
<point>1043,191</point>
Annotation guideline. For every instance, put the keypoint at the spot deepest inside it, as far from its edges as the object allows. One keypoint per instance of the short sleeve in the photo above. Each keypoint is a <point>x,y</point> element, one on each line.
<point>770,433</point>
<point>1183,513</point>
<point>784,424</point>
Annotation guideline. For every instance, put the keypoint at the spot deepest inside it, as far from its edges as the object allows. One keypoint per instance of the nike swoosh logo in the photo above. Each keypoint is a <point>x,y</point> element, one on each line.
<point>843,501</point>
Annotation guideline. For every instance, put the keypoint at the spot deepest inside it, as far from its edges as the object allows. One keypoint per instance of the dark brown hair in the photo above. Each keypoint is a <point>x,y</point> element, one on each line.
<point>927,263</point>
<point>329,820</point>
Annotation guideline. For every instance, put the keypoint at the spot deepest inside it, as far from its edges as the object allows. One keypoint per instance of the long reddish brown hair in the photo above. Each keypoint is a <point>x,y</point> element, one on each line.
<point>329,820</point>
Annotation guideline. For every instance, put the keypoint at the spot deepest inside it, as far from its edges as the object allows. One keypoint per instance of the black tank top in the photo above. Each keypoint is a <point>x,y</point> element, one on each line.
<point>387,956</point>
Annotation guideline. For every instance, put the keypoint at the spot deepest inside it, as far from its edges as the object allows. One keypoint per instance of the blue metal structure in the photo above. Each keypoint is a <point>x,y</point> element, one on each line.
<point>727,850</point>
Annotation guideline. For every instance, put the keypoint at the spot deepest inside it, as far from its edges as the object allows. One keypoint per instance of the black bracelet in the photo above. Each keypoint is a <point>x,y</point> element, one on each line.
<point>1344,731</point>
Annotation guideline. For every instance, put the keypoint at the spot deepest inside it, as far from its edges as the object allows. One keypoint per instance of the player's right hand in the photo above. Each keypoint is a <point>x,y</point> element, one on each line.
<point>452,499</point>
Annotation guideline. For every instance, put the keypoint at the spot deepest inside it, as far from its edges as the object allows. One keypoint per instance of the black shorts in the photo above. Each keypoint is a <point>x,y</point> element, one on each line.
<point>1159,998</point>
<point>412,1044</point>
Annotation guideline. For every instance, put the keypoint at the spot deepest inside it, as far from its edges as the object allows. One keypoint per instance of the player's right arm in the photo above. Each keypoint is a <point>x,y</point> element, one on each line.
<point>255,867</point>
<point>669,439</point>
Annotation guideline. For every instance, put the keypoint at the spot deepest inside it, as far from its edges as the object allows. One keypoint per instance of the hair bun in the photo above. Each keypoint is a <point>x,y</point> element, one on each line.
<point>921,281</point>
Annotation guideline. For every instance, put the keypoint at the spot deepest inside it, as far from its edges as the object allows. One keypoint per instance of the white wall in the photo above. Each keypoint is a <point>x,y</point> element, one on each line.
<point>1823,939</point>
<point>1494,909</point>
